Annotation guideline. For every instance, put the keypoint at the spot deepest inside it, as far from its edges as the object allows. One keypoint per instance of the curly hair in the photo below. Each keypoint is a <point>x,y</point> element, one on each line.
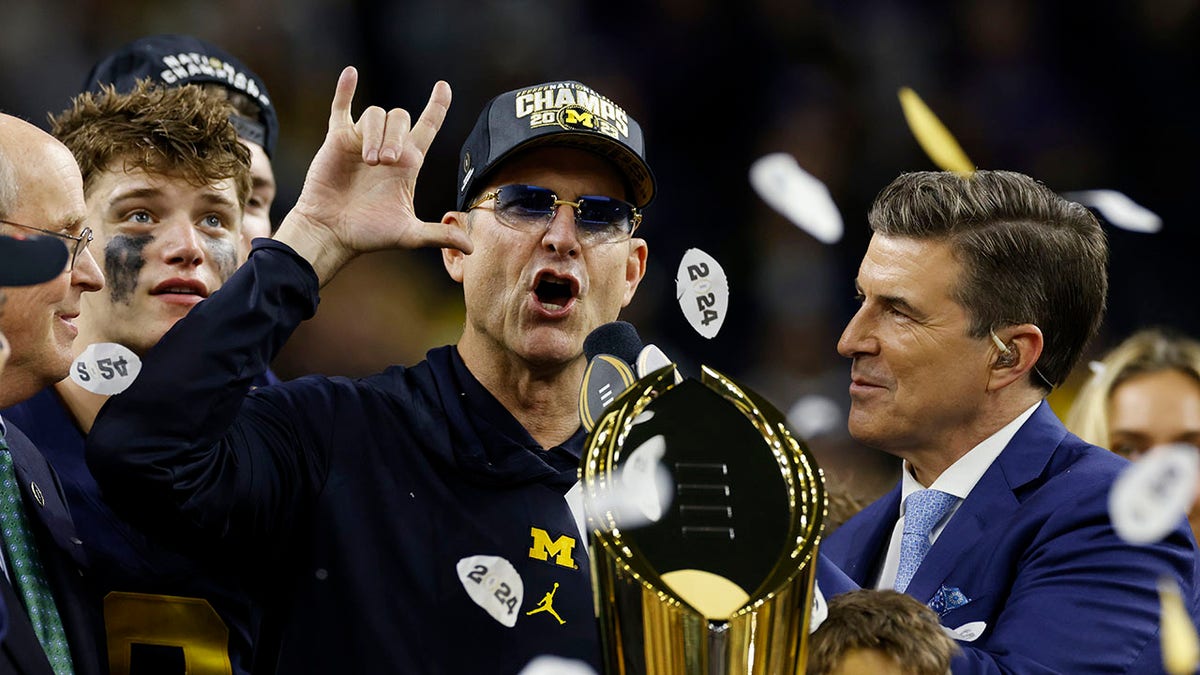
<point>172,131</point>
<point>894,623</point>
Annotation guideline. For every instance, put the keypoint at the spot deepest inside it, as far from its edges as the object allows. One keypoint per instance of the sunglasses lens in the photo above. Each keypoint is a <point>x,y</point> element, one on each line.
<point>604,215</point>
<point>530,208</point>
<point>520,204</point>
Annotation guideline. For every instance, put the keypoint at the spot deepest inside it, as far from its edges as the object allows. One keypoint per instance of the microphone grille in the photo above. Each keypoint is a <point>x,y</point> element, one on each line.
<point>618,338</point>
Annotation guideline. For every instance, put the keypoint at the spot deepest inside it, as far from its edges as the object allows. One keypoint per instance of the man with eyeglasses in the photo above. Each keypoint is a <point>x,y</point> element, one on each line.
<point>977,296</point>
<point>409,521</point>
<point>52,626</point>
<point>166,181</point>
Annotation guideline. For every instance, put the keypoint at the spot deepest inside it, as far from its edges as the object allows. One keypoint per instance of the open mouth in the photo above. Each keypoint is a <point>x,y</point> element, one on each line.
<point>554,292</point>
<point>180,287</point>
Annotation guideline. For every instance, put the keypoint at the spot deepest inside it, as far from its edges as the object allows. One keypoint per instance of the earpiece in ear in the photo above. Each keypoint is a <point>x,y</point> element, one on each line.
<point>1007,356</point>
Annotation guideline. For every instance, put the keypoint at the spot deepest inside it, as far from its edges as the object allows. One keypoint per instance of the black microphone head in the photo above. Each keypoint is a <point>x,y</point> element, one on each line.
<point>618,338</point>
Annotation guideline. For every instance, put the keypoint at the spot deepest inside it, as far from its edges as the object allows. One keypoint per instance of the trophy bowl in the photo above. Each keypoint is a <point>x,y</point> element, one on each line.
<point>704,562</point>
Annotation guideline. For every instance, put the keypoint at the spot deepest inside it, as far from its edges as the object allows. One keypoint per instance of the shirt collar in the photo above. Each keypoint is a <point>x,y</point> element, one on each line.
<point>480,403</point>
<point>961,476</point>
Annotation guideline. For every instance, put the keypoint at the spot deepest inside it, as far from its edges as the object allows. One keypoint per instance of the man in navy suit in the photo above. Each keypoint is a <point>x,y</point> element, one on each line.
<point>41,194</point>
<point>978,294</point>
<point>23,262</point>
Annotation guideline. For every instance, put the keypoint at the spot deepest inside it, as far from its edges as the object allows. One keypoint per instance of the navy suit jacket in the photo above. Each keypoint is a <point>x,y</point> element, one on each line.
<point>1031,553</point>
<point>63,558</point>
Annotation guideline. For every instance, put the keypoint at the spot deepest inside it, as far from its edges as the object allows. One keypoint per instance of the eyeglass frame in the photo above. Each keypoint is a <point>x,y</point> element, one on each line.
<point>635,219</point>
<point>81,240</point>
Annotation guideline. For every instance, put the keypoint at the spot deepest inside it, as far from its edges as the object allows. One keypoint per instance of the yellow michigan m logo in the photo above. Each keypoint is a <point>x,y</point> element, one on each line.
<point>575,117</point>
<point>560,548</point>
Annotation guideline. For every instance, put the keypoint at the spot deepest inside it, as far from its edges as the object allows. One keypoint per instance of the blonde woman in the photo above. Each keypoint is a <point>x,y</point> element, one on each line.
<point>1145,393</point>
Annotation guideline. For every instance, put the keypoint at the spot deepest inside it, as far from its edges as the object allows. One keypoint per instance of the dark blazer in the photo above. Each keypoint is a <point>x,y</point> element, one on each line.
<point>63,557</point>
<point>1032,561</point>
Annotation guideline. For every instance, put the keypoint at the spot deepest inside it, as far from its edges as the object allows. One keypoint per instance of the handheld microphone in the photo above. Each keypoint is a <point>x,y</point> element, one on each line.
<point>610,349</point>
<point>618,338</point>
<point>616,359</point>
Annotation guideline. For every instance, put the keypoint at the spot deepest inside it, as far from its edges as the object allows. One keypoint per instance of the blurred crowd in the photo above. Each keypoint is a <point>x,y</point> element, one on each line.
<point>1079,96</point>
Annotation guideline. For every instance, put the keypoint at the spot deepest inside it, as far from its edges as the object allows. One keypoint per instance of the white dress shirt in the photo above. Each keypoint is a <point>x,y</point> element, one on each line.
<point>959,479</point>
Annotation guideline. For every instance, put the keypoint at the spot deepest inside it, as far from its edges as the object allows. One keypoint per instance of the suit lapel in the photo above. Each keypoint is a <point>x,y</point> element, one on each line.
<point>44,499</point>
<point>21,648</point>
<point>992,501</point>
<point>61,553</point>
<point>857,546</point>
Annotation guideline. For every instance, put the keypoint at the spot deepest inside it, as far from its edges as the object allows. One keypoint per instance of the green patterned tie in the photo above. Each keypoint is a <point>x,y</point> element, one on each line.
<point>25,568</point>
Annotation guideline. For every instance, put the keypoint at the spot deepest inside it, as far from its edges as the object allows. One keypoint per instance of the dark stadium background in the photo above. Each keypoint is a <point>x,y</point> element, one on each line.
<point>1079,95</point>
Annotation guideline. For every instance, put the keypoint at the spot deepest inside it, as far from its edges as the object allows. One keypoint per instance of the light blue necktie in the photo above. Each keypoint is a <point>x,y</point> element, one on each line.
<point>25,569</point>
<point>923,510</point>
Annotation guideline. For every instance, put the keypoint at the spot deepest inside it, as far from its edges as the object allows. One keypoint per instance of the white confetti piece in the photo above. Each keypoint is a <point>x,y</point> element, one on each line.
<point>797,195</point>
<point>1152,495</point>
<point>703,292</point>
<point>1119,209</point>
<point>813,415</point>
<point>968,632</point>
<point>556,665</point>
<point>494,584</point>
<point>642,492</point>
<point>106,368</point>
<point>820,609</point>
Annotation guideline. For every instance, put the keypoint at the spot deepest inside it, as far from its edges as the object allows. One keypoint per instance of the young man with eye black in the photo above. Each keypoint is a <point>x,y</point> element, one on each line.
<point>166,181</point>
<point>173,60</point>
<point>412,520</point>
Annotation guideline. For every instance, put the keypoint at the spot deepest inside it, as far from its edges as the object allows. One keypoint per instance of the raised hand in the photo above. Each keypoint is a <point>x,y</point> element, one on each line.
<point>358,194</point>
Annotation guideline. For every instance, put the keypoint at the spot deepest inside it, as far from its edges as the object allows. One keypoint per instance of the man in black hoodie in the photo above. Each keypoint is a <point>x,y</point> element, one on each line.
<point>413,520</point>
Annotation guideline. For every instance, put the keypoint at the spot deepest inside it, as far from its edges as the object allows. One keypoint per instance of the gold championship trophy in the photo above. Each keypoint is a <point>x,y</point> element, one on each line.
<point>710,572</point>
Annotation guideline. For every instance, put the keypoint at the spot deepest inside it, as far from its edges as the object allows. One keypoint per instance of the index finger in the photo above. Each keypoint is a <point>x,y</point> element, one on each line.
<point>427,125</point>
<point>343,96</point>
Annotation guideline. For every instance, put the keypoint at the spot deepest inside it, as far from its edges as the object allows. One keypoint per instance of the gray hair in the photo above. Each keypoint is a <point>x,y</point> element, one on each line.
<point>1028,255</point>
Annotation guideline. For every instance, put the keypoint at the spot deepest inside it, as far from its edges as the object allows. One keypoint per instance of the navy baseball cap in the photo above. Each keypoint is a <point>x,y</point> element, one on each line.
<point>182,59</point>
<point>25,261</point>
<point>563,114</point>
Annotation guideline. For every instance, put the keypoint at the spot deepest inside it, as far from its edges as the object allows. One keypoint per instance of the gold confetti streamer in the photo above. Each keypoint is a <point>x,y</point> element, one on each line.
<point>933,136</point>
<point>1180,645</point>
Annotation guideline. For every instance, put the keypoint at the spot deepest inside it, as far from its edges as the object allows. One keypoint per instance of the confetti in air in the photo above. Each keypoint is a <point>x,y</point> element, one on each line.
<point>797,195</point>
<point>935,139</point>
<point>1152,496</point>
<point>1118,209</point>
<point>1180,644</point>
<point>640,493</point>
<point>106,368</point>
<point>557,665</point>
<point>703,292</point>
<point>813,415</point>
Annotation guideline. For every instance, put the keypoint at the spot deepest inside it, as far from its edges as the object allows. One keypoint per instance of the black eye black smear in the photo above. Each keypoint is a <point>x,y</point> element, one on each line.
<point>224,253</point>
<point>123,262</point>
